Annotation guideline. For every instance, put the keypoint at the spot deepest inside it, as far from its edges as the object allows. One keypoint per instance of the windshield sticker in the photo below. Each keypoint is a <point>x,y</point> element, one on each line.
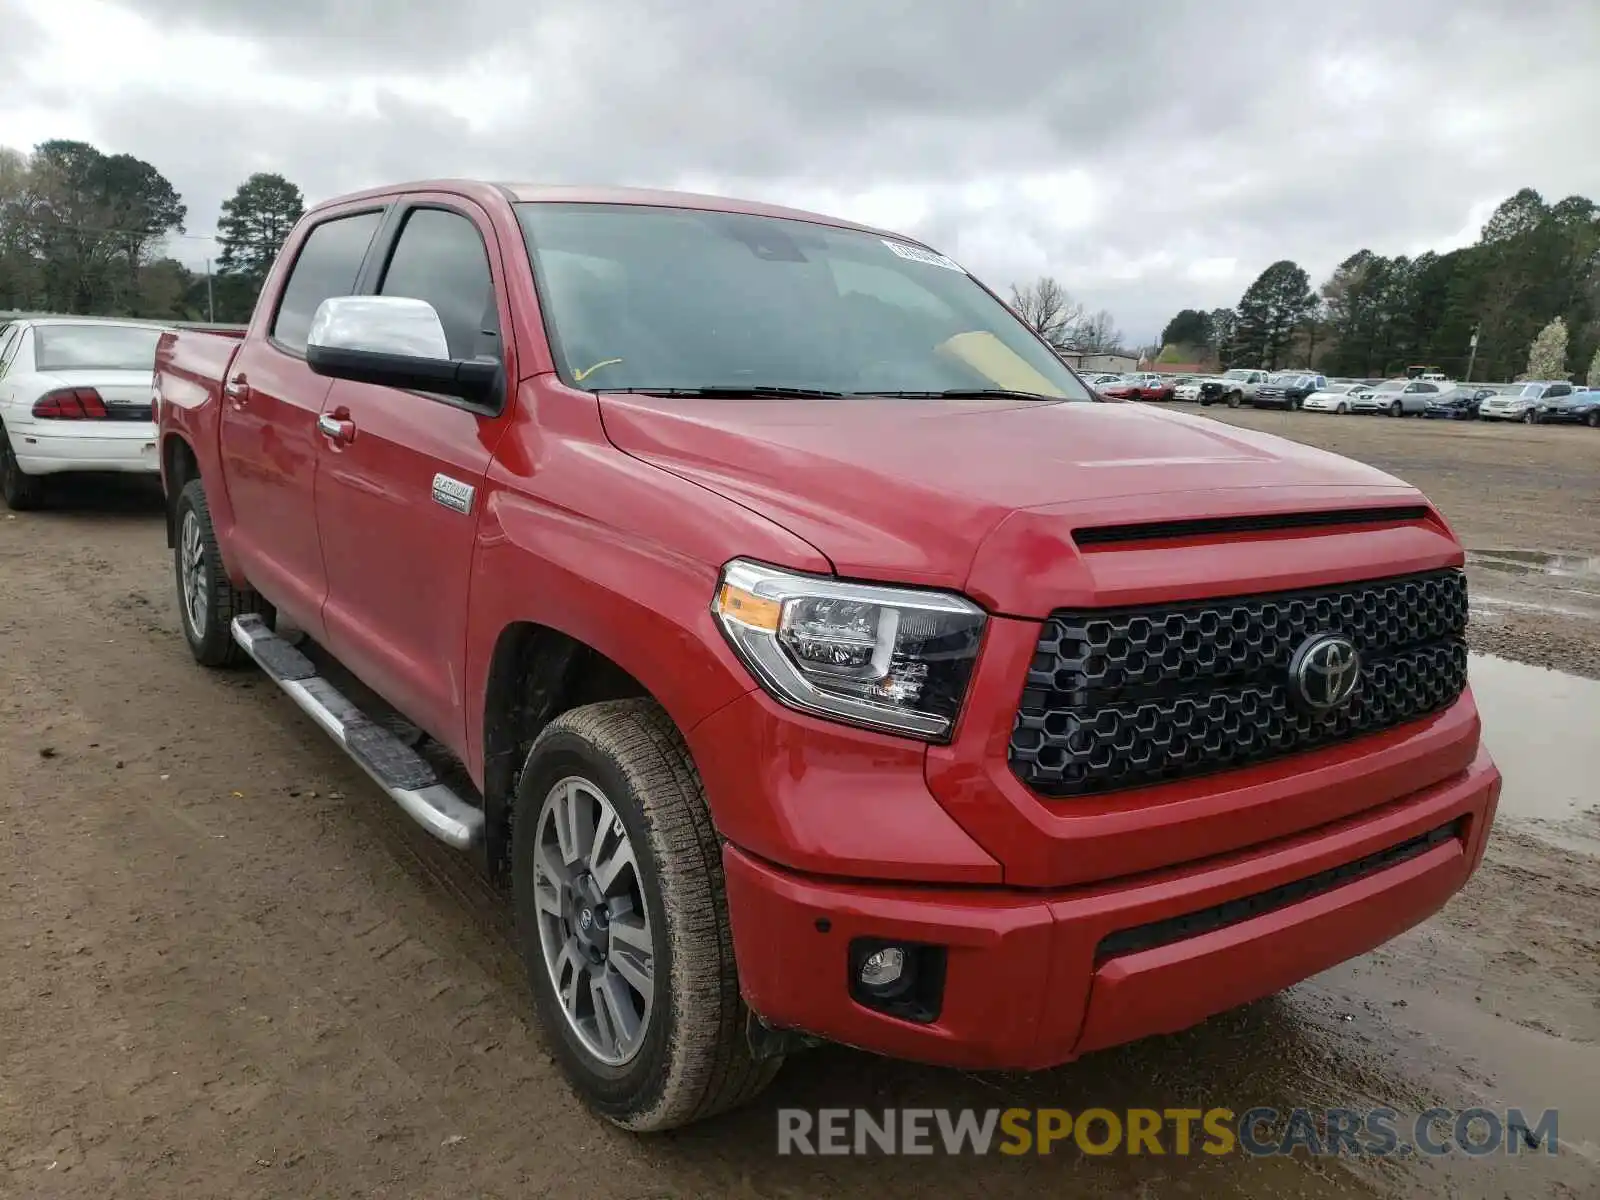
<point>918,254</point>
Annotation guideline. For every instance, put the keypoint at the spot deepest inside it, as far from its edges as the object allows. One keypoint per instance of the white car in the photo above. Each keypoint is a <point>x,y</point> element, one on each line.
<point>1334,398</point>
<point>75,395</point>
<point>1188,389</point>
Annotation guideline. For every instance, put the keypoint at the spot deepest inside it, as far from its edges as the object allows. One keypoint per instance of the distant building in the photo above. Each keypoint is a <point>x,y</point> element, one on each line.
<point>1097,363</point>
<point>1166,368</point>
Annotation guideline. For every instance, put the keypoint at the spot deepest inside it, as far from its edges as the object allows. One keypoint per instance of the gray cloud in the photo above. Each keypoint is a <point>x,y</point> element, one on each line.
<point>1238,130</point>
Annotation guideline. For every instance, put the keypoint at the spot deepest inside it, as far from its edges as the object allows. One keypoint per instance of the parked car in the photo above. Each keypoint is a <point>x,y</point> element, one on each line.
<point>1460,404</point>
<point>1139,386</point>
<point>1188,387</point>
<point>74,397</point>
<point>1520,400</point>
<point>1575,406</point>
<point>1330,397</point>
<point>1233,387</point>
<point>773,735</point>
<point>1398,397</point>
<point>1288,389</point>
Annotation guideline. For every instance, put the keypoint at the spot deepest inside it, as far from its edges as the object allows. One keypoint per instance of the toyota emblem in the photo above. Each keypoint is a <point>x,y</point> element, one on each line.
<point>1324,672</point>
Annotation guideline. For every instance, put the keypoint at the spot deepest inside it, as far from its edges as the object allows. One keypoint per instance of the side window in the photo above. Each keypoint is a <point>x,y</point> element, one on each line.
<point>440,258</point>
<point>1560,389</point>
<point>330,259</point>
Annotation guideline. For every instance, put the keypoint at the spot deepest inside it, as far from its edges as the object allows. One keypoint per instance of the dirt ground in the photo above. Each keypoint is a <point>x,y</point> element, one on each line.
<point>229,968</point>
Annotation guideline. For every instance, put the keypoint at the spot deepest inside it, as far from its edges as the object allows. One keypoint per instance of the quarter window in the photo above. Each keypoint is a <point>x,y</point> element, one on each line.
<point>328,264</point>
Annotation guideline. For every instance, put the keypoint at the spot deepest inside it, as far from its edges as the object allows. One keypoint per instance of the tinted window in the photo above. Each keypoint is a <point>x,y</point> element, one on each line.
<point>1559,389</point>
<point>440,258</point>
<point>102,347</point>
<point>329,261</point>
<point>652,298</point>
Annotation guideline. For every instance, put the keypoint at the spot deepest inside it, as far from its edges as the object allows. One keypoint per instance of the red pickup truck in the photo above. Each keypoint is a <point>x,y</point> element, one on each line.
<point>826,662</point>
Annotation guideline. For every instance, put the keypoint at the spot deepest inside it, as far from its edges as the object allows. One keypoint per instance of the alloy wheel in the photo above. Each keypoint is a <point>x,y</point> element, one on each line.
<point>594,922</point>
<point>192,567</point>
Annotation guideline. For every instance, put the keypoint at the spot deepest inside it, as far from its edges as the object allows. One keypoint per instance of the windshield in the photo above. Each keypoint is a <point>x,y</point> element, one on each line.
<point>1287,380</point>
<point>94,347</point>
<point>668,298</point>
<point>1393,385</point>
<point>1238,373</point>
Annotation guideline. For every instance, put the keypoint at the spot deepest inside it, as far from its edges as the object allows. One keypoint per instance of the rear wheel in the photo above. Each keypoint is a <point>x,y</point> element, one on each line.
<point>22,492</point>
<point>622,920</point>
<point>207,600</point>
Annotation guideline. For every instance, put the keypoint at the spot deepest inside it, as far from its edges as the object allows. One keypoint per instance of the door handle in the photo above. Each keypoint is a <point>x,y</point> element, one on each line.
<point>340,430</point>
<point>237,389</point>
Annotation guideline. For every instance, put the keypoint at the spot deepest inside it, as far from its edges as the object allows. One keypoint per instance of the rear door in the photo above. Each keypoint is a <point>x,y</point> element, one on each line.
<point>398,504</point>
<point>270,404</point>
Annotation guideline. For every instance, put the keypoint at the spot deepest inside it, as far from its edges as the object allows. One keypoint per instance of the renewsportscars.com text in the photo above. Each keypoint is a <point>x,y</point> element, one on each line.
<point>1259,1132</point>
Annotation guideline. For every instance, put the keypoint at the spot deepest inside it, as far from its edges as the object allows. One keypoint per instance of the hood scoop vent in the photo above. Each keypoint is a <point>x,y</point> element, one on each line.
<point>1210,527</point>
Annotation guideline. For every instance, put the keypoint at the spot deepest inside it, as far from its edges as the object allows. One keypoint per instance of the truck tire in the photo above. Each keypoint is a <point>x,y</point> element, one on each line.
<point>22,493</point>
<point>671,1047</point>
<point>1235,399</point>
<point>207,600</point>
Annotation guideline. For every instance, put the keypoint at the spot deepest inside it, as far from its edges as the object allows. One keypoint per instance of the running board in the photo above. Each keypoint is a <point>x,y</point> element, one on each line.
<point>399,770</point>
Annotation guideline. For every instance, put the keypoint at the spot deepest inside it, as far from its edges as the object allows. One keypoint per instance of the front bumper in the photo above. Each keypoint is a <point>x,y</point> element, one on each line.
<point>1027,983</point>
<point>130,449</point>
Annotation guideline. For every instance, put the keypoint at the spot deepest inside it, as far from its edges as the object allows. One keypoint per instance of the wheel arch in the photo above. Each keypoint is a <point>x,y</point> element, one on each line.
<point>179,465</point>
<point>535,674</point>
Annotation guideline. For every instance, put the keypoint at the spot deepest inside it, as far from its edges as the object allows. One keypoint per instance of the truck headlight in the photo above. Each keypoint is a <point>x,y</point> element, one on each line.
<point>887,658</point>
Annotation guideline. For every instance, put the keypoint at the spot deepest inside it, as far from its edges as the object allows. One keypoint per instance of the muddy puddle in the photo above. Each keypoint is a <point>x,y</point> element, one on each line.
<point>1543,728</point>
<point>1537,562</point>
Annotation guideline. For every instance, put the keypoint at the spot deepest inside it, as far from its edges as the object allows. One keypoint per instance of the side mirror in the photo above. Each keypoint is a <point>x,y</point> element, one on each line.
<point>395,341</point>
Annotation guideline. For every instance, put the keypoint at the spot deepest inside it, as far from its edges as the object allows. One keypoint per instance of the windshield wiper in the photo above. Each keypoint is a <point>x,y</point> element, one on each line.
<point>731,390</point>
<point>966,393</point>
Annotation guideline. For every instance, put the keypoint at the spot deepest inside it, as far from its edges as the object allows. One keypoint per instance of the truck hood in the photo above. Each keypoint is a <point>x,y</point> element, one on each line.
<point>910,490</point>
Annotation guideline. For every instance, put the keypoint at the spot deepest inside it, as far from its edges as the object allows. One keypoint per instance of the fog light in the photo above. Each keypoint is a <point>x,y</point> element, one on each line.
<point>883,968</point>
<point>899,979</point>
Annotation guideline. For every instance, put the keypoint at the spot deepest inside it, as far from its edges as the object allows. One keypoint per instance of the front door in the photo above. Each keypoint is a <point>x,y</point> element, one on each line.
<point>398,503</point>
<point>269,443</point>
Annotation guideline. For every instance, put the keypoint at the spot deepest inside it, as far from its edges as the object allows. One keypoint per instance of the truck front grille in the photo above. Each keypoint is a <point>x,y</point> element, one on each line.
<point>1131,697</point>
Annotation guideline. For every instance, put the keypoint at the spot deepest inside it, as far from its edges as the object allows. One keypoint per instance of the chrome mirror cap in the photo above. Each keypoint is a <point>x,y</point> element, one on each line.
<point>379,325</point>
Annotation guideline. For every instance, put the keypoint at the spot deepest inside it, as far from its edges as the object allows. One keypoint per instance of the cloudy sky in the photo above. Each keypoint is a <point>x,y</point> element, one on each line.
<point>1152,154</point>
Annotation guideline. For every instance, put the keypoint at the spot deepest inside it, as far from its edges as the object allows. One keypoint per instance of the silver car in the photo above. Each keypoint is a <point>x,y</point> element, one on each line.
<point>1521,401</point>
<point>1398,397</point>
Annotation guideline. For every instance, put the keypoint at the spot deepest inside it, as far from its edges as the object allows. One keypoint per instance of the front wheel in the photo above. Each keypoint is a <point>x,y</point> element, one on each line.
<point>1530,417</point>
<point>1593,420</point>
<point>207,600</point>
<point>1342,410</point>
<point>622,920</point>
<point>1397,409</point>
<point>1235,399</point>
<point>22,492</point>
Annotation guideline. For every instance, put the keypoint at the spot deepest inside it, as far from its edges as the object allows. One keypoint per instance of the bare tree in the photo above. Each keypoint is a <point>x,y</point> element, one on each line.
<point>1096,333</point>
<point>1045,305</point>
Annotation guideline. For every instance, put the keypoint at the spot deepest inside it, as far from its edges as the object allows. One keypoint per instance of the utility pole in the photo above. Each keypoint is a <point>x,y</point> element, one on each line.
<point>1473,357</point>
<point>211,306</point>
